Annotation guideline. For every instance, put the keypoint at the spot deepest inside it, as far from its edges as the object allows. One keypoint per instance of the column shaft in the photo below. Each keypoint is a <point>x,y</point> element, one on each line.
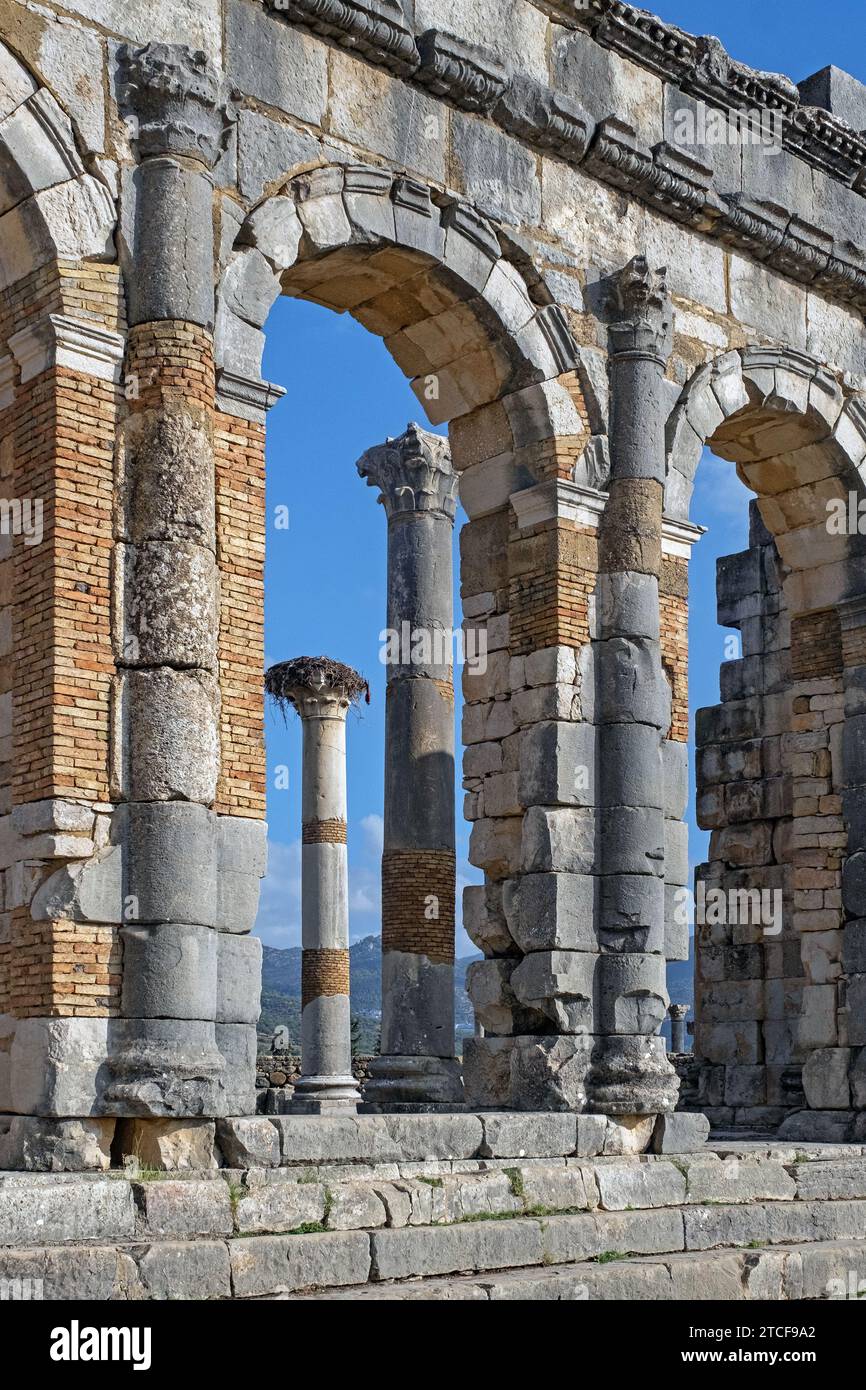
<point>417,1063</point>
<point>167,1062</point>
<point>631,1074</point>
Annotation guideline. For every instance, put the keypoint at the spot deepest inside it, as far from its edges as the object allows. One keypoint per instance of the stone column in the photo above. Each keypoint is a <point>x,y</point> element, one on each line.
<point>165,1060</point>
<point>322,693</point>
<point>631,1074</point>
<point>418,489</point>
<point>677,1014</point>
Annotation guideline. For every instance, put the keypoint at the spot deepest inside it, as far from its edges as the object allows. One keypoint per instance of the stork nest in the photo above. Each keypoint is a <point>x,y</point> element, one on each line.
<point>314,673</point>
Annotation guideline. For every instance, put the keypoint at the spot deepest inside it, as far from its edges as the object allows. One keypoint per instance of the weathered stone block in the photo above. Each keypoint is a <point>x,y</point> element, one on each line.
<point>680,1133</point>
<point>185,1208</point>
<point>534,1136</point>
<point>558,841</point>
<point>239,978</point>
<point>169,972</point>
<point>172,1145</point>
<point>558,765</point>
<point>173,748</point>
<point>278,1205</point>
<point>623,1186</point>
<point>559,985</point>
<point>825,1078</point>
<point>553,911</point>
<point>64,1209</point>
<point>37,1144</point>
<point>284,1264</point>
<point>248,1142</point>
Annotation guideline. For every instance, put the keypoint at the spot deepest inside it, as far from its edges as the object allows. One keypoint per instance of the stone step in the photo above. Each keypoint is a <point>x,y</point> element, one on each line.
<point>817,1271</point>
<point>267,1233</point>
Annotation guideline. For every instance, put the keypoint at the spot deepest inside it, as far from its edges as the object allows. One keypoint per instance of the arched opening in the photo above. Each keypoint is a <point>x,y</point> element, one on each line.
<point>456,315</point>
<point>773,1009</point>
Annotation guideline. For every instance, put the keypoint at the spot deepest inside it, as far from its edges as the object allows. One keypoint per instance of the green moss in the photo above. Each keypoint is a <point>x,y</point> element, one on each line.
<point>515,1178</point>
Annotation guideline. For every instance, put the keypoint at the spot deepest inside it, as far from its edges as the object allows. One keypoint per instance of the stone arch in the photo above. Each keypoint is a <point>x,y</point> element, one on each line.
<point>425,272</point>
<point>779,773</point>
<point>51,206</point>
<point>798,438</point>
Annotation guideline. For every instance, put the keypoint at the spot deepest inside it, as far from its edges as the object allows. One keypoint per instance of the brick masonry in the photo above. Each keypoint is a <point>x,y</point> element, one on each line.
<point>418,889</point>
<point>324,971</point>
<point>324,832</point>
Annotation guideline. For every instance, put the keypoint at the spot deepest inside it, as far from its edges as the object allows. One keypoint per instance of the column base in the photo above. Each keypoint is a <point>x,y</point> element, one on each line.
<point>428,1082</point>
<point>325,1095</point>
<point>632,1076</point>
<point>164,1069</point>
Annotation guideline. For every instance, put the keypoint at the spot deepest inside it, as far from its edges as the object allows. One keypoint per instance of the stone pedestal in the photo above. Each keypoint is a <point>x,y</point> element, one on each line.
<point>418,489</point>
<point>322,695</point>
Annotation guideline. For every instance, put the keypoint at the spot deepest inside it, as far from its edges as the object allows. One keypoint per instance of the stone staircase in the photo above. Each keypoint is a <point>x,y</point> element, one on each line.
<point>445,1207</point>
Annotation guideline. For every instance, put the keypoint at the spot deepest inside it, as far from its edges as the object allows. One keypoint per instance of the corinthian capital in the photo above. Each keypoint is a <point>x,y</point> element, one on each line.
<point>413,473</point>
<point>642,311</point>
<point>177,100</point>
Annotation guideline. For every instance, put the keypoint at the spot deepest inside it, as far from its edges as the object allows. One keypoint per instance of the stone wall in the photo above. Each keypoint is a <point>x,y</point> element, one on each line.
<point>476,211</point>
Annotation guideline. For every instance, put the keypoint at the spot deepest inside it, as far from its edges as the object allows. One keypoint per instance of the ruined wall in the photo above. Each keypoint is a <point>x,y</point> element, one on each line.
<point>469,201</point>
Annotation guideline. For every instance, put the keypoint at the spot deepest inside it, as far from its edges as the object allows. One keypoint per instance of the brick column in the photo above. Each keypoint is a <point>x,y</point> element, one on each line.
<point>322,695</point>
<point>418,488</point>
<point>168,1062</point>
<point>630,1073</point>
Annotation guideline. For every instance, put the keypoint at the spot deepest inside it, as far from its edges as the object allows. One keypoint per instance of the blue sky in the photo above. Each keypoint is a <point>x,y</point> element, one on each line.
<point>325,582</point>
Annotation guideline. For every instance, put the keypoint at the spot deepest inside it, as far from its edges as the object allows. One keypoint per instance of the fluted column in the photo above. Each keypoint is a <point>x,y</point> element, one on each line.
<point>631,1074</point>
<point>418,489</point>
<point>166,1060</point>
<point>322,694</point>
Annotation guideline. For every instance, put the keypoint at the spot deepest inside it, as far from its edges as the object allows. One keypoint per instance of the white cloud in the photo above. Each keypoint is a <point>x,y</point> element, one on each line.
<point>373,827</point>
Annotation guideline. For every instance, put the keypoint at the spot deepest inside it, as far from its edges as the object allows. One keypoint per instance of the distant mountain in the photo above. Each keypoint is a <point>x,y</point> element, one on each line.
<point>281,989</point>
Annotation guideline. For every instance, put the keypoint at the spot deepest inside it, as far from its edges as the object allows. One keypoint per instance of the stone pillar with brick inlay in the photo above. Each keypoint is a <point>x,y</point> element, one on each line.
<point>630,1074</point>
<point>322,692</point>
<point>186,1044</point>
<point>418,489</point>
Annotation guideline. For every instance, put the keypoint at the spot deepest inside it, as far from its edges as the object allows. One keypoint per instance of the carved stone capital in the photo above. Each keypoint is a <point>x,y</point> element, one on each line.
<point>413,473</point>
<point>642,312</point>
<point>177,101</point>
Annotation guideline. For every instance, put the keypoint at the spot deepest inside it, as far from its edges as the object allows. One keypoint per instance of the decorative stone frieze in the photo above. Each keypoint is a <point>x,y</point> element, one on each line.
<point>377,28</point>
<point>469,75</point>
<point>549,119</point>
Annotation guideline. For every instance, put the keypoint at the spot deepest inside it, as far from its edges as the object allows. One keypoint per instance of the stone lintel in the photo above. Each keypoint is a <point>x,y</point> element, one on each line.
<point>79,345</point>
<point>249,398</point>
<point>563,500</point>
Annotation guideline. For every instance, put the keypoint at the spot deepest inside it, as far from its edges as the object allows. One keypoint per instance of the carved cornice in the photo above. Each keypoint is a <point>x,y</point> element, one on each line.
<point>413,473</point>
<point>179,103</point>
<point>641,303</point>
<point>702,66</point>
<point>674,183</point>
<point>471,76</point>
<point>549,119</point>
<point>377,28</point>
